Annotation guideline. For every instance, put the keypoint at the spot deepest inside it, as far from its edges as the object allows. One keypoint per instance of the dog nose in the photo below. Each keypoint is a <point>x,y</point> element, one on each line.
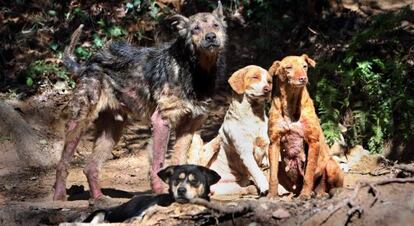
<point>181,191</point>
<point>210,37</point>
<point>267,89</point>
<point>302,79</point>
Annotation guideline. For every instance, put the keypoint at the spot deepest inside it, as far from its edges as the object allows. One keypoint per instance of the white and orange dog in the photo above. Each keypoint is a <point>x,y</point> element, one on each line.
<point>242,143</point>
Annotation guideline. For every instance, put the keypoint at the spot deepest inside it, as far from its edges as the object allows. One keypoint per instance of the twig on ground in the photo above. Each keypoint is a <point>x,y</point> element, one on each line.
<point>355,208</point>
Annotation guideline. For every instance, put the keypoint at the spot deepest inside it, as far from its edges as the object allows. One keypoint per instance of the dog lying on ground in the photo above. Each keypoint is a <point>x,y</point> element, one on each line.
<point>169,86</point>
<point>186,182</point>
<point>242,143</point>
<point>291,103</point>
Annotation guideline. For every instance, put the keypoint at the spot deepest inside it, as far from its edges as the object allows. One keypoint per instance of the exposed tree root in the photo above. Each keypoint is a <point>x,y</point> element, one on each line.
<point>356,207</point>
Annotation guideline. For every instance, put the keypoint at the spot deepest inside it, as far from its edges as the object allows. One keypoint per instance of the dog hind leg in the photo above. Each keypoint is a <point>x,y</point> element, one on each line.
<point>335,176</point>
<point>85,97</point>
<point>233,188</point>
<point>63,165</point>
<point>184,134</point>
<point>109,130</point>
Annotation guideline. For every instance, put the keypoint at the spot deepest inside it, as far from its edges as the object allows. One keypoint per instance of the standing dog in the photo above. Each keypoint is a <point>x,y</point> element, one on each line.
<point>242,143</point>
<point>186,182</point>
<point>169,86</point>
<point>293,109</point>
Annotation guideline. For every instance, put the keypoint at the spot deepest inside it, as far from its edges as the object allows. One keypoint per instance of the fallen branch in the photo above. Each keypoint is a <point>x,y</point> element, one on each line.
<point>405,167</point>
<point>241,207</point>
<point>260,210</point>
<point>355,208</point>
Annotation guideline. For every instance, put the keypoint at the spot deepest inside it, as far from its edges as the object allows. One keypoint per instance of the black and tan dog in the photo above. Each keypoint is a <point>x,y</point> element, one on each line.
<point>186,182</point>
<point>168,86</point>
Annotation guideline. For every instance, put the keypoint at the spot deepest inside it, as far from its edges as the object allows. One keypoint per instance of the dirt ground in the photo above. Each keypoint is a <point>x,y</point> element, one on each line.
<point>26,194</point>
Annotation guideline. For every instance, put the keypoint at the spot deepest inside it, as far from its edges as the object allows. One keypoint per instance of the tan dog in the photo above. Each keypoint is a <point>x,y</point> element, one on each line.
<point>292,112</point>
<point>242,143</point>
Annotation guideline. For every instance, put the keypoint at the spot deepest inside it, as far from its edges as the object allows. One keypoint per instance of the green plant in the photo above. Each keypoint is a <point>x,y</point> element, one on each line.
<point>374,88</point>
<point>40,68</point>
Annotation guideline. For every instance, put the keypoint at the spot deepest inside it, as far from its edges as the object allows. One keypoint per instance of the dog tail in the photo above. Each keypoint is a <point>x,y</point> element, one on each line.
<point>98,216</point>
<point>68,57</point>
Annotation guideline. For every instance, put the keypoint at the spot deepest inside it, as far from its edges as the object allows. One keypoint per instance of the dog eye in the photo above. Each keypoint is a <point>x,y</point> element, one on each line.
<point>215,25</point>
<point>288,67</point>
<point>194,182</point>
<point>305,66</point>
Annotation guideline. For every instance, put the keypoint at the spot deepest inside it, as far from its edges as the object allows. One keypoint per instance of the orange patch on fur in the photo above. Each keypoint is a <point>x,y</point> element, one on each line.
<point>260,142</point>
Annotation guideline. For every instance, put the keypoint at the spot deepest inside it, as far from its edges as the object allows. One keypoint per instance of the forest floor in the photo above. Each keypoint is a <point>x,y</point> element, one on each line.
<point>26,194</point>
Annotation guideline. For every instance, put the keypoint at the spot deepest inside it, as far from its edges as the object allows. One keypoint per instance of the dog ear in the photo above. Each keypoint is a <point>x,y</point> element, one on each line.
<point>212,176</point>
<point>236,81</point>
<point>180,22</point>
<point>218,12</point>
<point>276,69</point>
<point>309,60</point>
<point>165,174</point>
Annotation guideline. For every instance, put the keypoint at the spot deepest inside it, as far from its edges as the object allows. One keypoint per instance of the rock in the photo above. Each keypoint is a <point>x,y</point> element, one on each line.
<point>280,214</point>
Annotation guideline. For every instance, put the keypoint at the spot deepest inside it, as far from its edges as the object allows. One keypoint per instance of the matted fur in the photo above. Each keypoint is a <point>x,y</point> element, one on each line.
<point>170,86</point>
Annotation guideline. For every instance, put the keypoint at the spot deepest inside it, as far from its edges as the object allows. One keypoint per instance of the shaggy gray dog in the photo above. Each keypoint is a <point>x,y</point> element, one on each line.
<point>169,86</point>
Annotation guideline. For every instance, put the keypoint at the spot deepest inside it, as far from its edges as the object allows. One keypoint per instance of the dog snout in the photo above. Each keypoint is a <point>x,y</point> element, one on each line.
<point>181,191</point>
<point>210,37</point>
<point>267,89</point>
<point>303,79</point>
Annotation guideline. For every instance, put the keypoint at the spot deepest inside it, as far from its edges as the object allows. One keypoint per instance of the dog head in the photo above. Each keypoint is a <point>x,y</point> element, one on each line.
<point>187,182</point>
<point>293,70</point>
<point>205,32</point>
<point>253,81</point>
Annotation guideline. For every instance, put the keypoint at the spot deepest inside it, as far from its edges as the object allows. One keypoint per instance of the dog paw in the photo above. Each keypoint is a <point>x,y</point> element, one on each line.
<point>305,196</point>
<point>249,190</point>
<point>322,195</point>
<point>102,202</point>
<point>263,188</point>
<point>60,194</point>
<point>272,195</point>
<point>59,197</point>
<point>264,193</point>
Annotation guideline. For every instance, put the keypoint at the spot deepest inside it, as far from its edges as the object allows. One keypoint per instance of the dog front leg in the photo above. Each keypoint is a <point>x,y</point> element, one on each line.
<point>311,165</point>
<point>273,154</point>
<point>161,136</point>
<point>246,154</point>
<point>257,174</point>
